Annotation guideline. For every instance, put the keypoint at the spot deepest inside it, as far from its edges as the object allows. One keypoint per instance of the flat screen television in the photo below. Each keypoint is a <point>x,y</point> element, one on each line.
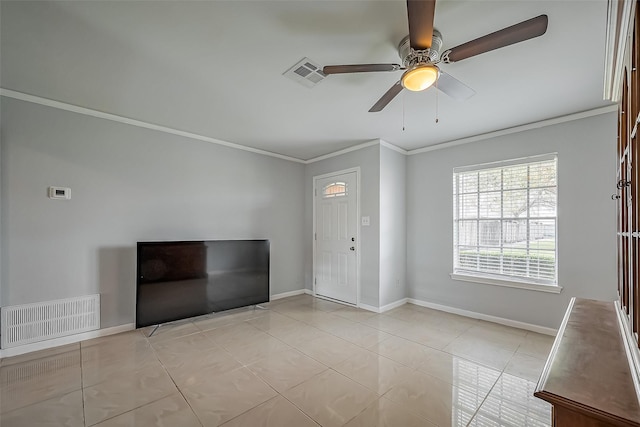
<point>176,280</point>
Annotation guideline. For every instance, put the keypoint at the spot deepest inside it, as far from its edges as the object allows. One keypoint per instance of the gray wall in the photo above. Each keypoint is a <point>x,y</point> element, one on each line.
<point>586,221</point>
<point>393,226</point>
<point>130,184</point>
<point>368,159</point>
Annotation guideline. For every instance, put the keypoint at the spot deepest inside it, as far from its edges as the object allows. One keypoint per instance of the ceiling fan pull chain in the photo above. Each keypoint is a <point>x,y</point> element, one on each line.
<point>436,101</point>
<point>403,96</point>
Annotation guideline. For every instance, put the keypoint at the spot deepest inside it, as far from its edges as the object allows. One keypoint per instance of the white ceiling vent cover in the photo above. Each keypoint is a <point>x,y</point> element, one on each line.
<point>306,72</point>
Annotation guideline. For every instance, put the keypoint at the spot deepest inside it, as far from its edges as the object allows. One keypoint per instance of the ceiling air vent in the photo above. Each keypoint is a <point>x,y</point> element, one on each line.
<point>306,72</point>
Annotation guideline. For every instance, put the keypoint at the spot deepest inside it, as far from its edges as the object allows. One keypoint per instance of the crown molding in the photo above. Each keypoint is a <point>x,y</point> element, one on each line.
<point>138,123</point>
<point>517,129</point>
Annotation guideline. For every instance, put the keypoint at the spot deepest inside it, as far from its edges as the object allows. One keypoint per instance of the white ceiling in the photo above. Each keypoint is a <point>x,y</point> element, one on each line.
<point>215,68</point>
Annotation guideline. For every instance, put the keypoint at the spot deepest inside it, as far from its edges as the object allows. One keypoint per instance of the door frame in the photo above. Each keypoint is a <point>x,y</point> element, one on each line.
<point>316,178</point>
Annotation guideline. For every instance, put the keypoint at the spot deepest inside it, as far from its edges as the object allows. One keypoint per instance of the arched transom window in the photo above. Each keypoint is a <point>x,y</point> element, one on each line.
<point>335,189</point>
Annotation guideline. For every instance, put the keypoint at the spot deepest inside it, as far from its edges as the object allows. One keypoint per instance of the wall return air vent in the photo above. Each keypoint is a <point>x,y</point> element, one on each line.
<point>306,72</point>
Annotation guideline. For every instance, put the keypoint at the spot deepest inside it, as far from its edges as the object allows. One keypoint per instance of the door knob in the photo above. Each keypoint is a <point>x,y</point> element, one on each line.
<point>352,248</point>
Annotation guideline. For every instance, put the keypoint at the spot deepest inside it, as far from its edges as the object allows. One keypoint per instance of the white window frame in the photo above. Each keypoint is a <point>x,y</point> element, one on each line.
<point>498,279</point>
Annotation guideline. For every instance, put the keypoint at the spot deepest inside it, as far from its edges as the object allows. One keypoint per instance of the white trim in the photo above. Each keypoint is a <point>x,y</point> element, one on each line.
<point>487,317</point>
<point>139,123</point>
<point>369,308</point>
<point>288,294</point>
<point>631,349</point>
<point>71,339</point>
<point>313,228</point>
<point>530,286</point>
<point>345,151</point>
<point>507,163</point>
<point>516,129</point>
<point>125,120</point>
<point>556,344</point>
<point>617,48</point>
<point>393,147</point>
<point>393,305</point>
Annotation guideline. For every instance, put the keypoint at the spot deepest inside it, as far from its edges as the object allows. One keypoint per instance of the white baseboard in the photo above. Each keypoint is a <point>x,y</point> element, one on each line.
<point>369,308</point>
<point>384,308</point>
<point>289,294</point>
<point>71,339</point>
<point>488,318</point>
<point>393,305</point>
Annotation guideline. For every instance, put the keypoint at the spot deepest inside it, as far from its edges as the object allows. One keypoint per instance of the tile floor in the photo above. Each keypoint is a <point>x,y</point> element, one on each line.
<point>302,362</point>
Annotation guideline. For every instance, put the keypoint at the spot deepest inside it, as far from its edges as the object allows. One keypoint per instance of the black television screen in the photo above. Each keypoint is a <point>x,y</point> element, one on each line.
<point>176,280</point>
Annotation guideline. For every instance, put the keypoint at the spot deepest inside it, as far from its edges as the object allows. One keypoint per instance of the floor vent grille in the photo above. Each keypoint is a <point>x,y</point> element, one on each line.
<point>29,323</point>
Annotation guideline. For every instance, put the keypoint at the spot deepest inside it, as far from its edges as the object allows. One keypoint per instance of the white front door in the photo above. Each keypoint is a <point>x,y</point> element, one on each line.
<point>335,237</point>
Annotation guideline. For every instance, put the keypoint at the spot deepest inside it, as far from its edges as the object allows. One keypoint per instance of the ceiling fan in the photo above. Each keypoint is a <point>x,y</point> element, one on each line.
<point>420,54</point>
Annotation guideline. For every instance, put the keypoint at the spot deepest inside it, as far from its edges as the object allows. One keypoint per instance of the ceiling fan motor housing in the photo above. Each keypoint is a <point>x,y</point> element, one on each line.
<point>411,58</point>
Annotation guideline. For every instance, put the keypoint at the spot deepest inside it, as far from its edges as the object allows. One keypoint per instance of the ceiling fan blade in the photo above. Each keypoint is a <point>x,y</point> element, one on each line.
<point>420,14</point>
<point>387,97</point>
<point>517,33</point>
<point>453,87</point>
<point>359,68</point>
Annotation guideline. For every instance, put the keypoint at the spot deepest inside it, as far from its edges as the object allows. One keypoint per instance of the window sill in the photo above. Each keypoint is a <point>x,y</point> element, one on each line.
<point>554,289</point>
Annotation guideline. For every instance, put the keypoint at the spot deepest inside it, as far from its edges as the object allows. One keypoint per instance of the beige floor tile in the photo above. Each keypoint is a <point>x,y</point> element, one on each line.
<point>170,411</point>
<point>325,305</point>
<point>297,333</point>
<point>65,410</point>
<point>331,362</point>
<point>513,393</point>
<point>262,348</point>
<point>506,418</point>
<point>436,400</point>
<point>126,391</point>
<point>374,371</point>
<point>429,336</point>
<point>385,413</point>
<point>330,350</point>
<point>213,321</point>
<point>330,398</point>
<point>277,412</point>
<point>386,323</point>
<point>480,351</point>
<point>460,372</point>
<point>361,335</point>
<point>536,345</point>
<point>525,366</point>
<point>234,333</point>
<point>40,354</point>
<point>353,313</point>
<point>190,344</point>
<point>499,335</point>
<point>412,314</point>
<point>26,383</point>
<point>121,340</point>
<point>272,320</point>
<point>329,322</point>
<point>188,368</point>
<point>170,331</point>
<point>404,351</point>
<point>287,369</point>
<point>216,400</point>
<point>99,362</point>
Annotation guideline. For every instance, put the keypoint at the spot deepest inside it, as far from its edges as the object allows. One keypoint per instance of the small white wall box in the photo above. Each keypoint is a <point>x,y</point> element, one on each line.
<point>59,193</point>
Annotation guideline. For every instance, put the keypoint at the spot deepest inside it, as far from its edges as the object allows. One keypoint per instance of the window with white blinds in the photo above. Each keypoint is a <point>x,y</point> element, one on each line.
<point>504,219</point>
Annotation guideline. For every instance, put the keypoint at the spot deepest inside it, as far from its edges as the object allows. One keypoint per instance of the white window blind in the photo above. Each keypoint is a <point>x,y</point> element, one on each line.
<point>504,218</point>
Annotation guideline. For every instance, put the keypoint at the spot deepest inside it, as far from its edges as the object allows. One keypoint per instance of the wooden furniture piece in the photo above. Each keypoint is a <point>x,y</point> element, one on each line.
<point>587,377</point>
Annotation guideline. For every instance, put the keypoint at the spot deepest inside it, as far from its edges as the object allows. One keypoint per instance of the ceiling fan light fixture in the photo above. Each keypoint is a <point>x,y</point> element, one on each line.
<point>420,77</point>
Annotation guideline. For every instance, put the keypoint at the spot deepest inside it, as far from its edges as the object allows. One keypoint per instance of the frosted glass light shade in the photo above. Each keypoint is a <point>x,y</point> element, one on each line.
<point>420,77</point>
